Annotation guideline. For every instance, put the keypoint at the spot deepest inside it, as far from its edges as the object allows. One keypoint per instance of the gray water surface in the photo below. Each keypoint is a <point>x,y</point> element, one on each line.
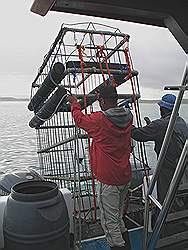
<point>17,140</point>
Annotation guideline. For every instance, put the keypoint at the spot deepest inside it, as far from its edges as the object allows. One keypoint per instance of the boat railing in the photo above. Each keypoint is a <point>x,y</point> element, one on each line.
<point>151,238</point>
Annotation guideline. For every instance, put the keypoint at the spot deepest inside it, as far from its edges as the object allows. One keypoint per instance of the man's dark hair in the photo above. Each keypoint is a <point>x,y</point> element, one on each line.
<point>108,92</point>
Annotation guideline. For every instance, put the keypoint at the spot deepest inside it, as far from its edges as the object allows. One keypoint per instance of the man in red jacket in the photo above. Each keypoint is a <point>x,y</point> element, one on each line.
<point>110,130</point>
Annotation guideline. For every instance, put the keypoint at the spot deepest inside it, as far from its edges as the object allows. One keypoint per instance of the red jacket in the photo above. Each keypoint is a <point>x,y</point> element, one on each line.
<point>110,148</point>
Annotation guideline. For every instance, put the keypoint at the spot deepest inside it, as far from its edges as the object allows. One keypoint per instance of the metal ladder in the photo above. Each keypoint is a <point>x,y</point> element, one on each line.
<point>150,240</point>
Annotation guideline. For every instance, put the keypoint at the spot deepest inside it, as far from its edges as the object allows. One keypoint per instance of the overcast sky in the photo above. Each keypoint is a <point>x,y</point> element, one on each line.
<point>26,37</point>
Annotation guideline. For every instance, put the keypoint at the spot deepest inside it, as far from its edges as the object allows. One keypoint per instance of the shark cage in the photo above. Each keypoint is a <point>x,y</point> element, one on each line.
<point>83,58</point>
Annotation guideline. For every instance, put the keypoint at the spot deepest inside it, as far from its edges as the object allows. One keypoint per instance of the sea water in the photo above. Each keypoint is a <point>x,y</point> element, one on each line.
<point>18,141</point>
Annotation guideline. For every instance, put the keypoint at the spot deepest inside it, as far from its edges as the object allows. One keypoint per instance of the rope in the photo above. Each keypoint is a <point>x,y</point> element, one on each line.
<point>136,107</point>
<point>101,55</point>
<point>52,80</point>
<point>80,54</point>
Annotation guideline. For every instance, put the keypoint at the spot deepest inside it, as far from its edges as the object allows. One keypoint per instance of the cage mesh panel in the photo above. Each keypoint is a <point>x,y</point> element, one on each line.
<point>63,148</point>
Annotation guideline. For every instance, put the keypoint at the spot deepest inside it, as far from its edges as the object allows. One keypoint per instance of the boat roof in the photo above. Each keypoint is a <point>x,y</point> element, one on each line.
<point>163,13</point>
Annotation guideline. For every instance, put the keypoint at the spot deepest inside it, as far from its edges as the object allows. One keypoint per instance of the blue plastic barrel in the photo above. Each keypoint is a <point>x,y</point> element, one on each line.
<point>36,217</point>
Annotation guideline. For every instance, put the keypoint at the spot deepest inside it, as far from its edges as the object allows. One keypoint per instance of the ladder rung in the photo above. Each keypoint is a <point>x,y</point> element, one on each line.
<point>155,201</point>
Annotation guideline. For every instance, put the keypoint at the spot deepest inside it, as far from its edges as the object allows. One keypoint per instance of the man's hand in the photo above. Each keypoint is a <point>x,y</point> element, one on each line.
<point>147,120</point>
<point>72,98</point>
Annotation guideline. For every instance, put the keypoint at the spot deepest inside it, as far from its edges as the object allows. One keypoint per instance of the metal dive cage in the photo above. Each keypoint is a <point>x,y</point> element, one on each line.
<point>82,58</point>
